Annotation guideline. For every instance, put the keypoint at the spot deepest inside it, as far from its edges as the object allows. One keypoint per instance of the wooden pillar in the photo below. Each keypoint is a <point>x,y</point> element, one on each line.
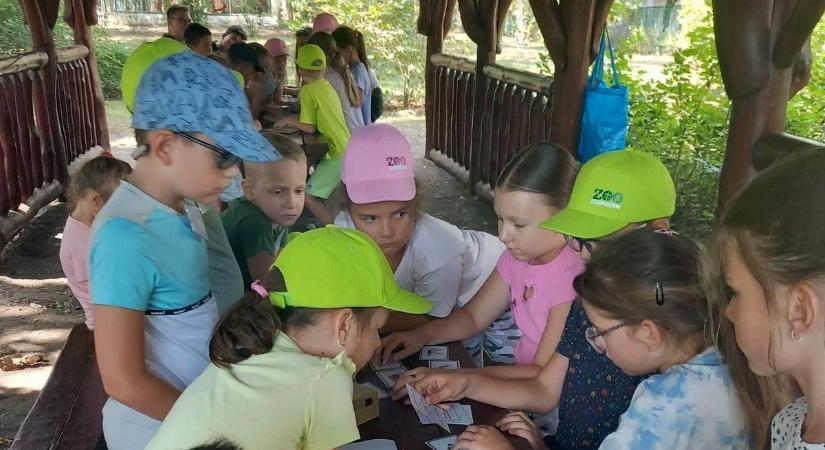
<point>434,19</point>
<point>83,15</point>
<point>45,105</point>
<point>761,46</point>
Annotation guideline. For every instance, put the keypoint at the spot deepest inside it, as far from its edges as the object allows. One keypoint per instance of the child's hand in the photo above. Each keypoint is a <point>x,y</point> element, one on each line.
<point>439,386</point>
<point>409,342</point>
<point>518,424</point>
<point>482,437</point>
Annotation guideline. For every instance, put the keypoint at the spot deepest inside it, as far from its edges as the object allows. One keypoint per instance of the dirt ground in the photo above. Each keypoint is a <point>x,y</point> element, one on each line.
<point>37,309</point>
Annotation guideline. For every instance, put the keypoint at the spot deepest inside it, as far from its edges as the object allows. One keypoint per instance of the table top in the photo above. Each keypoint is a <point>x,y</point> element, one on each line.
<point>399,422</point>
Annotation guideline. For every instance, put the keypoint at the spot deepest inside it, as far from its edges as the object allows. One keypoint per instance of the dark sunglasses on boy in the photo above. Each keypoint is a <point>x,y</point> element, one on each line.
<point>578,244</point>
<point>226,160</point>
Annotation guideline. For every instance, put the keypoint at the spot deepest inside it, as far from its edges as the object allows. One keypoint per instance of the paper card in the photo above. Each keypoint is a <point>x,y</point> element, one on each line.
<point>434,352</point>
<point>378,367</point>
<point>382,392</point>
<point>445,443</point>
<point>459,414</point>
<point>374,444</point>
<point>390,376</point>
<point>449,364</point>
<point>427,414</point>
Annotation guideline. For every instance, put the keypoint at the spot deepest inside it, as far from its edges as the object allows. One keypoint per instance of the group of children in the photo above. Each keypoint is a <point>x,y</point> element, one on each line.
<point>587,303</point>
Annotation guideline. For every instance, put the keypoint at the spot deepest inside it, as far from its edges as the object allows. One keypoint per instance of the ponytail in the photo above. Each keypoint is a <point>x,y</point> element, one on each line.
<point>348,37</point>
<point>324,41</point>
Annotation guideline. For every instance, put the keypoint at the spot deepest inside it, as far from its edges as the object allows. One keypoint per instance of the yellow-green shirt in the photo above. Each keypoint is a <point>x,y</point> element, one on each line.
<point>281,400</point>
<point>321,106</point>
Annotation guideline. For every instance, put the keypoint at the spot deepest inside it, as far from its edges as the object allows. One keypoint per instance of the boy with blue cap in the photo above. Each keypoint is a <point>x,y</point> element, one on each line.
<point>148,259</point>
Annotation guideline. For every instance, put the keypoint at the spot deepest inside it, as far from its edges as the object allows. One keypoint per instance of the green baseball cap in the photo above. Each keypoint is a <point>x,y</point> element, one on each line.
<point>334,267</point>
<point>139,60</point>
<point>311,57</point>
<point>614,190</point>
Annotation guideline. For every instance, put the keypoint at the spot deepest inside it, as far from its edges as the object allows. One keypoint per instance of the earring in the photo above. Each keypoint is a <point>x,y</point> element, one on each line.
<point>340,345</point>
<point>794,336</point>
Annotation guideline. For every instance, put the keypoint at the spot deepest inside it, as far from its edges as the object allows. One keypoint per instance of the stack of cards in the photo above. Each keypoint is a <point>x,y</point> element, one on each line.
<point>434,353</point>
<point>457,414</point>
<point>444,443</point>
<point>388,373</point>
<point>445,364</point>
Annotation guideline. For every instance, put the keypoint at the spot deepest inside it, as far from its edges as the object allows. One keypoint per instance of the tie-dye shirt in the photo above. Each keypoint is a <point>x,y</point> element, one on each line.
<point>690,405</point>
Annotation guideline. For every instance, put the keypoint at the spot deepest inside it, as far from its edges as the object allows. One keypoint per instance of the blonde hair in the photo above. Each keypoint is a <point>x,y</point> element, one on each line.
<point>289,150</point>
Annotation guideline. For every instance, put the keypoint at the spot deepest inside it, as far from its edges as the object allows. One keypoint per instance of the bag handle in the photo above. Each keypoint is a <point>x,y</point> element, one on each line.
<point>616,81</point>
<point>597,74</point>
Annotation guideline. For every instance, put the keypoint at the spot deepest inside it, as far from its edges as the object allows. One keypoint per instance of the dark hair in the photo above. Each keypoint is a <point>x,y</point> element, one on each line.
<point>649,275</point>
<point>218,444</point>
<point>347,37</point>
<point>325,41</point>
<point>195,32</point>
<point>252,325</point>
<point>775,223</point>
<point>97,175</point>
<point>175,9</point>
<point>542,168</point>
<point>244,53</point>
<point>234,29</point>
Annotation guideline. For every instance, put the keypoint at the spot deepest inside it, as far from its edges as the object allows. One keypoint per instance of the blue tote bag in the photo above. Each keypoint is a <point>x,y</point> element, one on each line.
<point>604,116</point>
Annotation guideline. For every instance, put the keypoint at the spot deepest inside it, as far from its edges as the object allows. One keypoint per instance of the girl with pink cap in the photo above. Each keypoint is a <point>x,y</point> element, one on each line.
<point>276,65</point>
<point>429,256</point>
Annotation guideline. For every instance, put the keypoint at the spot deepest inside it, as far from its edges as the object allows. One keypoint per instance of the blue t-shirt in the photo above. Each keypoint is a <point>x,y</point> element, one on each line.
<point>595,392</point>
<point>362,80</point>
<point>690,405</point>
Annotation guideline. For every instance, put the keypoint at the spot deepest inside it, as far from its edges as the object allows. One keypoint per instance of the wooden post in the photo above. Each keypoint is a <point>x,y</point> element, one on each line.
<point>45,104</point>
<point>82,36</point>
<point>434,18</point>
<point>762,54</point>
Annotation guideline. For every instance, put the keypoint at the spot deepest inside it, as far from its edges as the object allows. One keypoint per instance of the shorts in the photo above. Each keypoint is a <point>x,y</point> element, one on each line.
<point>497,343</point>
<point>325,178</point>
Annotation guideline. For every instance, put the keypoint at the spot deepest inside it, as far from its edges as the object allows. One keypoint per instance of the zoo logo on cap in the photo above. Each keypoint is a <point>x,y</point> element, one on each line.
<point>396,163</point>
<point>606,198</point>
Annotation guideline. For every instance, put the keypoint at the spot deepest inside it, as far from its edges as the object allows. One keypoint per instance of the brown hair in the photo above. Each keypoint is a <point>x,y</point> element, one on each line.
<point>324,41</point>
<point>175,9</point>
<point>775,222</point>
<point>339,200</point>
<point>98,175</point>
<point>252,325</point>
<point>542,168</point>
<point>348,37</point>
<point>288,148</point>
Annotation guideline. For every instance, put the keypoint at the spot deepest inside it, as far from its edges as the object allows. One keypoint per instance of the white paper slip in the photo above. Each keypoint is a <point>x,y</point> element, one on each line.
<point>390,376</point>
<point>374,444</point>
<point>445,443</point>
<point>382,392</point>
<point>378,367</point>
<point>449,364</point>
<point>434,352</point>
<point>427,414</point>
<point>459,414</point>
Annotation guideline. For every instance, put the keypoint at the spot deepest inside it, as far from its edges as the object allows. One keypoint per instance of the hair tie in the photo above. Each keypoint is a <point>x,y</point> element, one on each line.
<point>259,288</point>
<point>665,231</point>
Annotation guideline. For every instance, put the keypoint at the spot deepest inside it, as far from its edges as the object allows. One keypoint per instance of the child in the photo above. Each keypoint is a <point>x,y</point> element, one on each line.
<point>276,65</point>
<point>641,291</point>
<point>258,223</point>
<point>284,358</point>
<point>325,23</point>
<point>233,35</point>
<point>340,78</point>
<point>766,270</point>
<point>575,374</point>
<point>351,47</point>
<point>533,278</point>
<point>199,39</point>
<point>149,270</point>
<point>244,59</point>
<point>89,190</point>
<point>428,256</point>
<point>320,111</point>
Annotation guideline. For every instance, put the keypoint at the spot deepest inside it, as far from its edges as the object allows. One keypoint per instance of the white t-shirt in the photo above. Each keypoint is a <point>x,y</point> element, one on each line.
<point>352,114</point>
<point>442,263</point>
<point>786,428</point>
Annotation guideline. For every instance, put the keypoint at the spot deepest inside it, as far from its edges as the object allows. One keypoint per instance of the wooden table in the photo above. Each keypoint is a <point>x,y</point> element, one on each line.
<point>399,422</point>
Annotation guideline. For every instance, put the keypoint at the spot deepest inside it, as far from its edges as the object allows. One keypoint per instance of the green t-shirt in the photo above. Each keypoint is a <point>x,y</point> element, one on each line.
<point>250,232</point>
<point>320,106</point>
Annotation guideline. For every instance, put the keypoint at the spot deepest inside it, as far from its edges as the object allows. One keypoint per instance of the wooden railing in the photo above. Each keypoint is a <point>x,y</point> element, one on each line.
<point>33,166</point>
<point>515,112</point>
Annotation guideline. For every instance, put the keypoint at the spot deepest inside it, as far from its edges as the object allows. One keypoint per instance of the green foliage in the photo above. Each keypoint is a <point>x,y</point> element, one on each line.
<point>111,56</point>
<point>394,49</point>
<point>805,116</point>
<point>681,116</point>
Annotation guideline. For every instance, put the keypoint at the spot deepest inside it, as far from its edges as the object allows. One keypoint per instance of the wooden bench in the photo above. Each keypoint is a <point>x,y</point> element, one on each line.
<point>67,413</point>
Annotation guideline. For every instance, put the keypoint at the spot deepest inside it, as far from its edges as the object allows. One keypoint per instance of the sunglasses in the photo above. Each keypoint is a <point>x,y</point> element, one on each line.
<point>578,244</point>
<point>226,160</point>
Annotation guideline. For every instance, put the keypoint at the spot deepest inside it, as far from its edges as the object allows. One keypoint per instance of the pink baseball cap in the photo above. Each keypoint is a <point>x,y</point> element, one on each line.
<point>378,166</point>
<point>325,22</point>
<point>276,47</point>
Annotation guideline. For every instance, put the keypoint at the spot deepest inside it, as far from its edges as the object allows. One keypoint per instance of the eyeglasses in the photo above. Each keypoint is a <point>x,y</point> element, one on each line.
<point>226,160</point>
<point>595,337</point>
<point>578,244</point>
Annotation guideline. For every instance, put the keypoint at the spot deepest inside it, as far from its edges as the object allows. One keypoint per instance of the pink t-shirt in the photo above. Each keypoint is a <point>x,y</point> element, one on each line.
<point>74,257</point>
<point>547,285</point>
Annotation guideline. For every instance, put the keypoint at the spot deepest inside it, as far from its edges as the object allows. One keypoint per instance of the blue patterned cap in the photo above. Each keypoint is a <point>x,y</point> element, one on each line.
<point>190,93</point>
